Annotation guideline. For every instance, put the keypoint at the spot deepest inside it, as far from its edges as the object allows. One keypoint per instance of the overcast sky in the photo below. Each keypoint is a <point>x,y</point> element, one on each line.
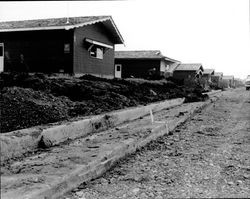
<point>215,33</point>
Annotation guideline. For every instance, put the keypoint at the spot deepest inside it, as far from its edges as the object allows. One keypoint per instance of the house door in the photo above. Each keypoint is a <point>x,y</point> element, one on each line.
<point>118,70</point>
<point>1,57</point>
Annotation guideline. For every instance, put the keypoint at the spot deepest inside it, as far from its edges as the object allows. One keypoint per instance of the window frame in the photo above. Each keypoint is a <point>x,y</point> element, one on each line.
<point>96,49</point>
<point>66,48</point>
<point>118,66</point>
<point>93,52</point>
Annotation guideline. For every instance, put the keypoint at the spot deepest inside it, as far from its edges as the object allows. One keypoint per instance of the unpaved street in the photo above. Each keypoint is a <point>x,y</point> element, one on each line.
<point>208,156</point>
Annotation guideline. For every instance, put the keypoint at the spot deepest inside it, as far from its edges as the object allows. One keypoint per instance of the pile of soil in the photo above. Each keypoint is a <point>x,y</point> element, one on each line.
<point>29,100</point>
<point>24,107</point>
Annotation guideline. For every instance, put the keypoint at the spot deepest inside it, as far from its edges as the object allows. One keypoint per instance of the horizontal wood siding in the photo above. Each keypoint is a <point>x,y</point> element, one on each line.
<point>207,77</point>
<point>180,75</point>
<point>216,80</point>
<point>83,62</point>
<point>43,51</point>
<point>136,67</point>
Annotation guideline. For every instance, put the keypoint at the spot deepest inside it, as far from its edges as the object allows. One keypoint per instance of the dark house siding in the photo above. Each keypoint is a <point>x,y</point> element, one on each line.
<point>83,62</point>
<point>181,75</point>
<point>43,50</point>
<point>216,80</point>
<point>137,67</point>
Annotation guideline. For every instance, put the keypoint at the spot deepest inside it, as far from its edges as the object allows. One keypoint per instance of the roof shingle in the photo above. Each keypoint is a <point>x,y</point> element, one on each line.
<point>61,23</point>
<point>53,22</point>
<point>218,74</point>
<point>208,71</point>
<point>189,67</point>
<point>228,77</point>
<point>142,54</point>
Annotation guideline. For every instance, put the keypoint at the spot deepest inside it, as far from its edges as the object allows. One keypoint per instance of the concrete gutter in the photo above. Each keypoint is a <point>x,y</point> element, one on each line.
<point>107,156</point>
<point>213,93</point>
<point>17,143</point>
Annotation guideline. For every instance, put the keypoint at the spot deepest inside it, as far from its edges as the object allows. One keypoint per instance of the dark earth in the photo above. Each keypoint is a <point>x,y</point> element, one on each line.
<point>28,100</point>
<point>206,157</point>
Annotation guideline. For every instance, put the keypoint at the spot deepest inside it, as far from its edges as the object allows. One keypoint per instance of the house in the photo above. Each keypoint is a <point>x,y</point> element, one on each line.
<point>171,68</point>
<point>207,74</point>
<point>217,78</point>
<point>188,72</point>
<point>77,45</point>
<point>228,82</point>
<point>207,78</point>
<point>139,64</point>
<point>238,82</point>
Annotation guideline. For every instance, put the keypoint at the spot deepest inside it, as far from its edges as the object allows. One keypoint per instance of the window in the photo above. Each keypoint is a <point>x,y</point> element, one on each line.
<point>96,49</point>
<point>118,68</point>
<point>66,48</point>
<point>96,52</point>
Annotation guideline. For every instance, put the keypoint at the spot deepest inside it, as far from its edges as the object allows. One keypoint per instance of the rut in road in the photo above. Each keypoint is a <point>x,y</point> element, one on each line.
<point>208,156</point>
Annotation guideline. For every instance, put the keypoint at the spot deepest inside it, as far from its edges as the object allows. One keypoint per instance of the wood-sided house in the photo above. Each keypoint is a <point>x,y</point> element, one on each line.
<point>228,81</point>
<point>188,72</point>
<point>207,74</point>
<point>238,82</point>
<point>207,77</point>
<point>77,45</point>
<point>138,64</point>
<point>217,78</point>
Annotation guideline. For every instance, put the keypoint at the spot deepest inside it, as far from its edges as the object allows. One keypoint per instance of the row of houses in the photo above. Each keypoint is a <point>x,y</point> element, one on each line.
<point>139,64</point>
<point>84,45</point>
<point>218,79</point>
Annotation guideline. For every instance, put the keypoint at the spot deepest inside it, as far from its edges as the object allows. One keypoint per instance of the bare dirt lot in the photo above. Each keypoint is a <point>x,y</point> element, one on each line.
<point>208,156</point>
<point>28,100</point>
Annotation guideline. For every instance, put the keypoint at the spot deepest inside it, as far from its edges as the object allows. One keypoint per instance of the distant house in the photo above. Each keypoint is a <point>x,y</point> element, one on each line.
<point>228,81</point>
<point>139,63</point>
<point>238,82</point>
<point>78,45</point>
<point>207,74</point>
<point>171,68</point>
<point>186,72</point>
<point>217,78</point>
<point>207,77</point>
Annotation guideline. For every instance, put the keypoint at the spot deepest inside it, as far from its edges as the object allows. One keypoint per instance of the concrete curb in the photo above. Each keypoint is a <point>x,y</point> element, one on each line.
<point>96,169</point>
<point>17,143</point>
<point>213,93</point>
<point>56,187</point>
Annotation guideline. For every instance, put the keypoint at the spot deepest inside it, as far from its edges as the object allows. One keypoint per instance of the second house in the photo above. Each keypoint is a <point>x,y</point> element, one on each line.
<point>141,64</point>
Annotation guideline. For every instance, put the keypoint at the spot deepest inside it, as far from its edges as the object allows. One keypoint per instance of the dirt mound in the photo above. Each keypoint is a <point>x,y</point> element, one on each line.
<point>23,107</point>
<point>29,100</point>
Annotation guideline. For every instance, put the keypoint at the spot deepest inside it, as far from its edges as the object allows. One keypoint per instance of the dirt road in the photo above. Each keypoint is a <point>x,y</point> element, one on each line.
<point>208,156</point>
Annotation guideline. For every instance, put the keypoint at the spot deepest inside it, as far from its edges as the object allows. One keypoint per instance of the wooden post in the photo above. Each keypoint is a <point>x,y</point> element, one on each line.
<point>151,115</point>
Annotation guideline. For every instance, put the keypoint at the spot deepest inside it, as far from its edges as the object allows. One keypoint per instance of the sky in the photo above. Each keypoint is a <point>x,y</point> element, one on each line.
<point>215,33</point>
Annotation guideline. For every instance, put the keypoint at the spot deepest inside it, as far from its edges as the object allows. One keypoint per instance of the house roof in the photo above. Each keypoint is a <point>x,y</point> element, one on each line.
<point>173,66</point>
<point>228,77</point>
<point>142,54</point>
<point>189,67</point>
<point>62,23</point>
<point>208,71</point>
<point>238,79</point>
<point>218,74</point>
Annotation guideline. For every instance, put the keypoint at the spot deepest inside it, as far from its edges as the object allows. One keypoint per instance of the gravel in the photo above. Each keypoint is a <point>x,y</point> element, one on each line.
<point>207,157</point>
